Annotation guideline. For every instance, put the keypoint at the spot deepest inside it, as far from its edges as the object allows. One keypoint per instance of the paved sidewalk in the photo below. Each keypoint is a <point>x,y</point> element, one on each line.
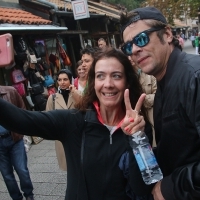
<point>188,48</point>
<point>48,180</point>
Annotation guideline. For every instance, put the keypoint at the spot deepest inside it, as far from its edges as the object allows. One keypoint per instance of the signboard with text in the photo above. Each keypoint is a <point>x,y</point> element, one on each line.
<point>80,9</point>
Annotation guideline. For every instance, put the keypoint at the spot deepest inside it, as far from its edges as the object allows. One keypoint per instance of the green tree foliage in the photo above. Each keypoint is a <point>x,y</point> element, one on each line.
<point>175,8</point>
<point>170,8</point>
<point>128,4</point>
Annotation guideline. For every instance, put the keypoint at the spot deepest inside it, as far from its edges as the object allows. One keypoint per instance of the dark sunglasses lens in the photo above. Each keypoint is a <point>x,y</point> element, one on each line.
<point>127,48</point>
<point>141,40</point>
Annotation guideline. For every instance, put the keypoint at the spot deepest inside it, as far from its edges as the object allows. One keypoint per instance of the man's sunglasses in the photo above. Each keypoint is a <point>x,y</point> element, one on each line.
<point>140,40</point>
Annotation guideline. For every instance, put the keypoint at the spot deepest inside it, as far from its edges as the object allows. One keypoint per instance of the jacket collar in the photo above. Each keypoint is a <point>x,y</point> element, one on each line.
<point>145,78</point>
<point>175,57</point>
<point>60,100</point>
<point>97,108</point>
<point>2,91</point>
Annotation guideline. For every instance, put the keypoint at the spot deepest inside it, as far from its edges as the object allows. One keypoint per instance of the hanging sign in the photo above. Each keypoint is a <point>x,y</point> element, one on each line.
<point>80,9</point>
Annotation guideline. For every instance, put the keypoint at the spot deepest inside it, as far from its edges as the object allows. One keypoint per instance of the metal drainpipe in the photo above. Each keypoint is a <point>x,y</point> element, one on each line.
<point>54,6</point>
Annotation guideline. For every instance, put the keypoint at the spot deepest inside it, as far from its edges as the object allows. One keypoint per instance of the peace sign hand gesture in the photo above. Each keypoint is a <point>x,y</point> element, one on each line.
<point>133,122</point>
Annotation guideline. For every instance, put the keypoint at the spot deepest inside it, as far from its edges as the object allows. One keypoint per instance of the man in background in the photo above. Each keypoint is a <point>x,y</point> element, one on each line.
<point>181,41</point>
<point>102,43</point>
<point>12,153</point>
<point>87,57</point>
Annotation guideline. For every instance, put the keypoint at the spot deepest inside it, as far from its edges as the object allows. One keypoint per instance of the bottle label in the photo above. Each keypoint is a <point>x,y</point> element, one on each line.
<point>139,161</point>
<point>145,157</point>
<point>149,156</point>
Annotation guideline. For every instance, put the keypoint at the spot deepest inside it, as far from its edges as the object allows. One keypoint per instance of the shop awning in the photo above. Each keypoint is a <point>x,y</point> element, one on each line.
<point>31,29</point>
<point>15,20</point>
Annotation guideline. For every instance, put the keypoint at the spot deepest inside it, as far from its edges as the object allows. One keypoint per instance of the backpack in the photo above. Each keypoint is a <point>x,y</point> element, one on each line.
<point>20,47</point>
<point>17,76</point>
<point>20,88</point>
<point>39,50</point>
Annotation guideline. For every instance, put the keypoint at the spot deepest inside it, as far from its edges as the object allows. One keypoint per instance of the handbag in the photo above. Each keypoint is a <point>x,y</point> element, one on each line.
<point>45,65</point>
<point>63,55</point>
<point>20,88</point>
<point>33,58</point>
<point>37,88</point>
<point>17,76</point>
<point>36,139</point>
<point>20,47</point>
<point>48,81</point>
<point>6,51</point>
<point>39,50</point>
<point>51,90</point>
<point>39,102</point>
<point>52,58</point>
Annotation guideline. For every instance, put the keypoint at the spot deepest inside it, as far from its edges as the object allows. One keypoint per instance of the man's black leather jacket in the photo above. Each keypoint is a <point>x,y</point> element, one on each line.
<point>177,127</point>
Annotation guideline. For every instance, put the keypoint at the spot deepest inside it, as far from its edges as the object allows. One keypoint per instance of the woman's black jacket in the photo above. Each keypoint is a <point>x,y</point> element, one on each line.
<point>93,173</point>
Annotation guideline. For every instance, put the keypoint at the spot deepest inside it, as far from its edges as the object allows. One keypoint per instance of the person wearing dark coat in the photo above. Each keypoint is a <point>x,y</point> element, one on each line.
<point>149,41</point>
<point>95,134</point>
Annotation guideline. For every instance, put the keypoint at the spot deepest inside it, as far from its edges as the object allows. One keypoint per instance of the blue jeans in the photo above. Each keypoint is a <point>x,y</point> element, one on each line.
<point>13,155</point>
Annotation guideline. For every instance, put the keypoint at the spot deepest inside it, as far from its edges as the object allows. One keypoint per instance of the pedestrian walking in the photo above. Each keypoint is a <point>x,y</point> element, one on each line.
<point>181,41</point>
<point>12,152</point>
<point>197,44</point>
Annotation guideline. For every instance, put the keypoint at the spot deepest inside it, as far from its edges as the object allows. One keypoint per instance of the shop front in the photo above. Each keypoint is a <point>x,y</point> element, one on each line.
<point>39,53</point>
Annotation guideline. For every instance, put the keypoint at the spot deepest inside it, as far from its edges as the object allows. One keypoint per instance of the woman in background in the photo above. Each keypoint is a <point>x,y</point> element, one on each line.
<point>81,80</point>
<point>63,99</point>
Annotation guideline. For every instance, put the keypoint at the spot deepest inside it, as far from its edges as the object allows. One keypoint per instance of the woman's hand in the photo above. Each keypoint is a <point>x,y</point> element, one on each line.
<point>72,88</point>
<point>133,122</point>
<point>75,93</point>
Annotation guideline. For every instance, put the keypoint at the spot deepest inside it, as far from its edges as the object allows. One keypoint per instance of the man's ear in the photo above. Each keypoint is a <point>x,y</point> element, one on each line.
<point>169,35</point>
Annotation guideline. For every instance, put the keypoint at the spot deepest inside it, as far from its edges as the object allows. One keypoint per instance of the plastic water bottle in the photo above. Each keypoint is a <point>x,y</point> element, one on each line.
<point>145,158</point>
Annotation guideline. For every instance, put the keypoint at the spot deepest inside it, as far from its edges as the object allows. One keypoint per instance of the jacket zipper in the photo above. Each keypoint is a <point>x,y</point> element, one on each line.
<point>110,138</point>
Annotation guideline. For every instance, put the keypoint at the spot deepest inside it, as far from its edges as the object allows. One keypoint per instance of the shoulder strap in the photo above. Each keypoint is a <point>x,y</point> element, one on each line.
<point>76,83</point>
<point>53,99</point>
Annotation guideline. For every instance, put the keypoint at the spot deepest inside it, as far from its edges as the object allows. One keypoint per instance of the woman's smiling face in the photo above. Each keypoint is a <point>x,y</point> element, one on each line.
<point>110,82</point>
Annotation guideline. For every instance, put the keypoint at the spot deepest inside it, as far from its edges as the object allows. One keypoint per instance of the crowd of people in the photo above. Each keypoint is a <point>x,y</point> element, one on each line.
<point>118,92</point>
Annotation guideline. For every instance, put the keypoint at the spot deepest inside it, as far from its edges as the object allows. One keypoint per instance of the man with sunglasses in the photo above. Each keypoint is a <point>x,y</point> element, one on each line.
<point>149,41</point>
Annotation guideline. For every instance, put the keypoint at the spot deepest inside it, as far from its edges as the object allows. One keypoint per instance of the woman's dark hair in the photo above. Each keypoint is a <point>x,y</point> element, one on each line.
<point>132,79</point>
<point>65,71</point>
<point>89,50</point>
<point>78,63</point>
